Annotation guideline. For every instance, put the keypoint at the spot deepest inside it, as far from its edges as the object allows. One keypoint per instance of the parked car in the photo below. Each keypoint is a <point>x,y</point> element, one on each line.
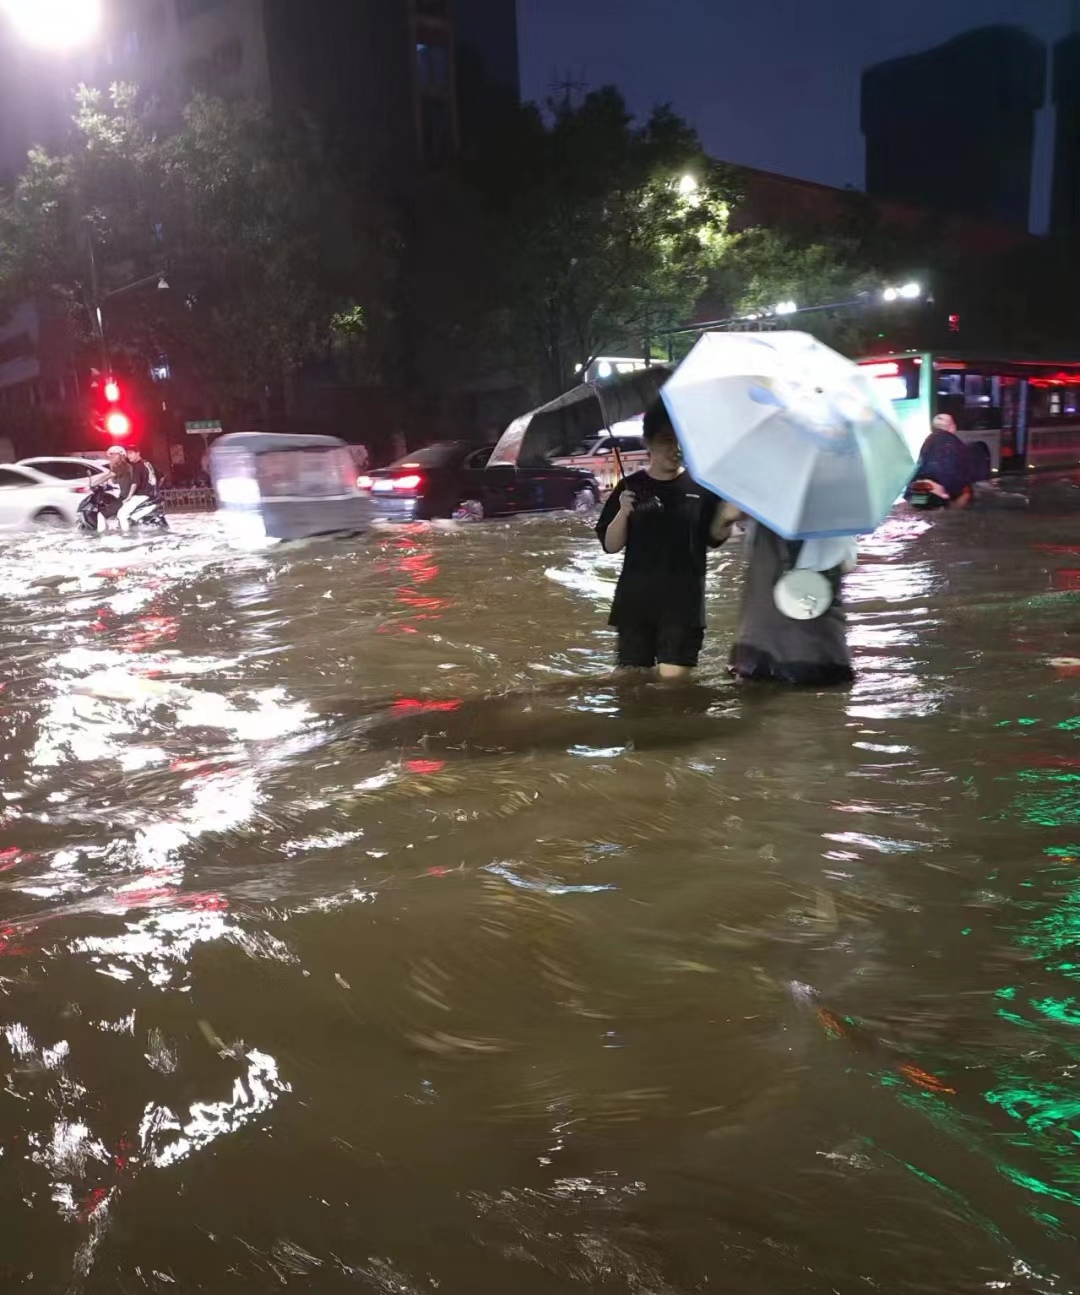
<point>66,467</point>
<point>598,457</point>
<point>30,498</point>
<point>452,479</point>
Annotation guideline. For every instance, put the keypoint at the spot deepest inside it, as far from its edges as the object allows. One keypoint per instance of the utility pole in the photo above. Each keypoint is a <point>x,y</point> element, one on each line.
<point>96,319</point>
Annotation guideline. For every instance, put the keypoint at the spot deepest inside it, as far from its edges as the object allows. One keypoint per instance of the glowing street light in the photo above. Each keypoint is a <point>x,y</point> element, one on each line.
<point>54,24</point>
<point>785,308</point>
<point>688,186</point>
<point>908,292</point>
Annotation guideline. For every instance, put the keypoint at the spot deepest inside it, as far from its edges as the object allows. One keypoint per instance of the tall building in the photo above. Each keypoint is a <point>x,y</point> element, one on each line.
<point>1065,194</point>
<point>954,127</point>
<point>399,84</point>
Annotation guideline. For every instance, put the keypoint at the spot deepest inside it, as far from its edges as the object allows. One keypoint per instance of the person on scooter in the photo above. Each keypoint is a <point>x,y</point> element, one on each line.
<point>943,475</point>
<point>117,483</point>
<point>144,488</point>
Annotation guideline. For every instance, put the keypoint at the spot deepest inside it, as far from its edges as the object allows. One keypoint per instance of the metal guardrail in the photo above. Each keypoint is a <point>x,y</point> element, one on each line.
<point>193,499</point>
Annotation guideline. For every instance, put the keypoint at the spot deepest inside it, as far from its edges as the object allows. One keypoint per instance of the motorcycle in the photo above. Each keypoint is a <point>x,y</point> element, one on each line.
<point>150,514</point>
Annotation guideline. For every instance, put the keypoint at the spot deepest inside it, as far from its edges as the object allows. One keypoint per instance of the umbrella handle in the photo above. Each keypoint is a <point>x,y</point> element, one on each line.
<point>607,427</point>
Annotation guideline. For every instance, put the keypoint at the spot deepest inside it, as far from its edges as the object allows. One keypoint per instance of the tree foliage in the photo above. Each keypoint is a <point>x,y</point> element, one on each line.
<point>768,266</point>
<point>580,237</point>
<point>249,225</point>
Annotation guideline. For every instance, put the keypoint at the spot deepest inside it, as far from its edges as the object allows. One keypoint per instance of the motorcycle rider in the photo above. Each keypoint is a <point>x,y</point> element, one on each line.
<point>117,483</point>
<point>943,476</point>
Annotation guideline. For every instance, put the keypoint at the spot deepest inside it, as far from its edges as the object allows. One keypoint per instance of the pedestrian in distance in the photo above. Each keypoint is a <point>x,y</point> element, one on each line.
<point>665,523</point>
<point>944,476</point>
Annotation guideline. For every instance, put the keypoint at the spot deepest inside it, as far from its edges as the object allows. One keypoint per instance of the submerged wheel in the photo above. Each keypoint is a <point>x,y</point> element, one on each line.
<point>469,510</point>
<point>49,517</point>
<point>584,500</point>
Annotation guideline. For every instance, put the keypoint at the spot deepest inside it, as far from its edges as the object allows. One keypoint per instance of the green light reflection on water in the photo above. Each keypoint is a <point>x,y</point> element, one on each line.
<point>1058,1009</point>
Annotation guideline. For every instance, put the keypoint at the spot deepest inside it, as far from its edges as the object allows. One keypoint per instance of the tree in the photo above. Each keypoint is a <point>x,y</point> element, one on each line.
<point>586,235</point>
<point>767,266</point>
<point>258,241</point>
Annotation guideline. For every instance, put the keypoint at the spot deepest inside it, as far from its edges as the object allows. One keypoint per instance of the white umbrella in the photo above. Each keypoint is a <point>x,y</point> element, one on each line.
<point>791,432</point>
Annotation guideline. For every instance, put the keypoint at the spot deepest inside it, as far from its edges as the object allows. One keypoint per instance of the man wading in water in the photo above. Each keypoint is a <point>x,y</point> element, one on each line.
<point>666,523</point>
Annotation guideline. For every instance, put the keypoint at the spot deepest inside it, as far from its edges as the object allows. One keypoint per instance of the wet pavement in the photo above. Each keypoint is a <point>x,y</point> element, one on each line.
<point>357,933</point>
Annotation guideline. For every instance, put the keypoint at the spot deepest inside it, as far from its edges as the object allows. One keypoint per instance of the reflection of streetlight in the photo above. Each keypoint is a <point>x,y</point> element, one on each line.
<point>54,24</point>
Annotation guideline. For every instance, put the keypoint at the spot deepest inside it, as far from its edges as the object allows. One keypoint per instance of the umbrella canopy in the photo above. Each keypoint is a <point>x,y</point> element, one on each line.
<point>563,424</point>
<point>790,431</point>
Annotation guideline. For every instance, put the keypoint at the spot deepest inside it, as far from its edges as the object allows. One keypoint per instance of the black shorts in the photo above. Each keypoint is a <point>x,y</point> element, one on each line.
<point>645,644</point>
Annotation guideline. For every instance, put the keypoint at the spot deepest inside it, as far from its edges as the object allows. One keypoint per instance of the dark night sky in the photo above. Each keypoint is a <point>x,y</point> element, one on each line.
<point>768,83</point>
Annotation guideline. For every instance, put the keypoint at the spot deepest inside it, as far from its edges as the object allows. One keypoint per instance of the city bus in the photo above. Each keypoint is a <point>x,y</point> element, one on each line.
<point>1018,415</point>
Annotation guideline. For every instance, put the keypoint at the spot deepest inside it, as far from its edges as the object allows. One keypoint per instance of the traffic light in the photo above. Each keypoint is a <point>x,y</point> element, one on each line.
<point>117,424</point>
<point>110,416</point>
<point>954,323</point>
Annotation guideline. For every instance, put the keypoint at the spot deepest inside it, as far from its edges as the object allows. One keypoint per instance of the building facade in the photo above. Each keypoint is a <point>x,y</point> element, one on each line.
<point>1065,195</point>
<point>953,128</point>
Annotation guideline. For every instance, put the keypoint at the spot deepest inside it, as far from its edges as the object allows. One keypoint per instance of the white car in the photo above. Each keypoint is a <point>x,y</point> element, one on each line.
<point>598,457</point>
<point>30,498</point>
<point>71,467</point>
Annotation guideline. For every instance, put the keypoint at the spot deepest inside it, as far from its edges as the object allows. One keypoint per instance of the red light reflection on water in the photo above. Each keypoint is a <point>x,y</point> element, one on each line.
<point>425,766</point>
<point>1067,579</point>
<point>10,857</point>
<point>419,704</point>
<point>150,631</point>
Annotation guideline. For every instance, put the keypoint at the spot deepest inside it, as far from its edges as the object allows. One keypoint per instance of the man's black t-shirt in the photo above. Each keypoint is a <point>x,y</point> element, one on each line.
<point>663,575</point>
<point>145,480</point>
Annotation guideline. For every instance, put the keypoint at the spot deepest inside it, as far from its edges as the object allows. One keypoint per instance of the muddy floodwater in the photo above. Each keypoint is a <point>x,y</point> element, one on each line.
<point>358,933</point>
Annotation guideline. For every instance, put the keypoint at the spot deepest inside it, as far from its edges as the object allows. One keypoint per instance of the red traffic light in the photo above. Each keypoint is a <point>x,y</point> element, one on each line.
<point>112,391</point>
<point>117,425</point>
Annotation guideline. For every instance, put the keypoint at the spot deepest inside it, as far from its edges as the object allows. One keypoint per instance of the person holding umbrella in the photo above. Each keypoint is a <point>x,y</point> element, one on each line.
<point>800,440</point>
<point>665,523</point>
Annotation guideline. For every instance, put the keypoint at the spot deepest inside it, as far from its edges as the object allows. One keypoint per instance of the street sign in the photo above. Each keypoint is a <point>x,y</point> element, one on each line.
<point>203,428</point>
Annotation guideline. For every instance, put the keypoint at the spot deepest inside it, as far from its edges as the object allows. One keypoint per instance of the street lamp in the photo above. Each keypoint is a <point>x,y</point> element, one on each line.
<point>786,308</point>
<point>907,292</point>
<point>54,24</point>
<point>688,186</point>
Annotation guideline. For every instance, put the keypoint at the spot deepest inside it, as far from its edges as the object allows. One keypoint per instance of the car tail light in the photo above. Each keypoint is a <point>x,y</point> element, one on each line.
<point>80,490</point>
<point>410,482</point>
<point>364,483</point>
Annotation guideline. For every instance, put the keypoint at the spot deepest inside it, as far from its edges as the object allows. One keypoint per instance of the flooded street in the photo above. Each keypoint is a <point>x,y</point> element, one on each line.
<point>356,932</point>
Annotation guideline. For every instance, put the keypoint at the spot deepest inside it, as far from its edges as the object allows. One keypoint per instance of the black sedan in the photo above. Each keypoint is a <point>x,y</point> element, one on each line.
<point>452,479</point>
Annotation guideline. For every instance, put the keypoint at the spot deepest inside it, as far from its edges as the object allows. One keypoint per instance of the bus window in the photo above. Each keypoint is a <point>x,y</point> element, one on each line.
<point>973,399</point>
<point>1053,403</point>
